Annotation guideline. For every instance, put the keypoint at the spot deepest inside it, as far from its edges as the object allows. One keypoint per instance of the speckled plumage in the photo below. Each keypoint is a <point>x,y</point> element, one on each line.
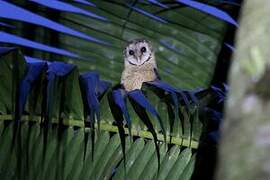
<point>140,66</point>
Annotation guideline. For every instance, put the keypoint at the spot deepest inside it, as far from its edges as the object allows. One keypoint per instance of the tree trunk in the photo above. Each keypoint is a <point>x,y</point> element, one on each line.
<point>245,143</point>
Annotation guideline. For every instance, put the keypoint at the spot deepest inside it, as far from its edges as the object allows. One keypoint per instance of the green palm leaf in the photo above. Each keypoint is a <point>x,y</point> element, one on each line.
<point>187,43</point>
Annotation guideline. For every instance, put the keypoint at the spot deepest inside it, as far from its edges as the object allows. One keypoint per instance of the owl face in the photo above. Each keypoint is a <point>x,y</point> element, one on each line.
<point>138,52</point>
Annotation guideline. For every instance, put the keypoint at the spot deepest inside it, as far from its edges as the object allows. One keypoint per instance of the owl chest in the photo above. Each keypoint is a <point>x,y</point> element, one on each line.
<point>134,80</point>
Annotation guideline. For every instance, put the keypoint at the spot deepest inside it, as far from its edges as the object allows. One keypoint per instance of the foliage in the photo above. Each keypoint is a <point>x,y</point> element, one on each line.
<point>57,106</point>
<point>54,117</point>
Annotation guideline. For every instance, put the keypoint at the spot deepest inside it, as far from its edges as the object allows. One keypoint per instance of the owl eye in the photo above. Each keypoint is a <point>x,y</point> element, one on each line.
<point>130,52</point>
<point>143,49</point>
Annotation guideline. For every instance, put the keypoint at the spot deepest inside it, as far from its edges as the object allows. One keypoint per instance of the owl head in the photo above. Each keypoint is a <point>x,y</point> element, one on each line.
<point>138,52</point>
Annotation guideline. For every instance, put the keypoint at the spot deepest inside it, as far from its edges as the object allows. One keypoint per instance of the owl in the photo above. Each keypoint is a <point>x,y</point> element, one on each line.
<point>139,64</point>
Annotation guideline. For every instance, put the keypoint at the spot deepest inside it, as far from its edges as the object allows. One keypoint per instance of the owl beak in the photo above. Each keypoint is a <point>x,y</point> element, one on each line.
<point>138,59</point>
<point>138,56</point>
